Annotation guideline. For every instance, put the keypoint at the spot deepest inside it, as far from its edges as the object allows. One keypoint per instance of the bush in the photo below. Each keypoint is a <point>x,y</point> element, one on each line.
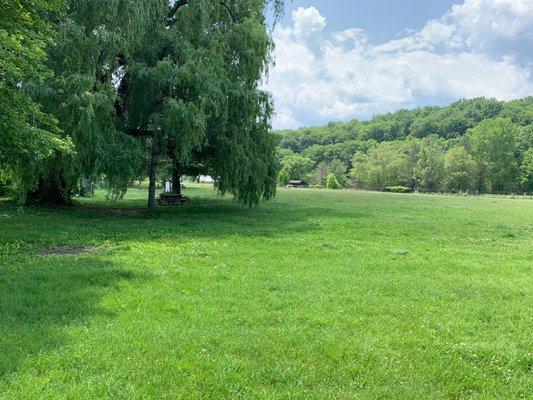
<point>6,182</point>
<point>398,189</point>
<point>331,182</point>
<point>283,178</point>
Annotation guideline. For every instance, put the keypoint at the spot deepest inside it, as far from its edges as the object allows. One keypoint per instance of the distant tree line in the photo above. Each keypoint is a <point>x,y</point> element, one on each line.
<point>479,145</point>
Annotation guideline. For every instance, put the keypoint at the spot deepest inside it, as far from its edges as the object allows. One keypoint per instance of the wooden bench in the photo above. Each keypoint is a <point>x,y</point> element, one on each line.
<point>171,199</point>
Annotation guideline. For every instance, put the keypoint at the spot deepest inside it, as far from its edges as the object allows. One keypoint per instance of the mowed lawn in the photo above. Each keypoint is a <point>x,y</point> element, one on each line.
<point>315,295</point>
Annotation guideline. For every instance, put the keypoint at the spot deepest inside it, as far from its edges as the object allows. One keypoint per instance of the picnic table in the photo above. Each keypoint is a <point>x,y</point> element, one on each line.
<point>170,199</point>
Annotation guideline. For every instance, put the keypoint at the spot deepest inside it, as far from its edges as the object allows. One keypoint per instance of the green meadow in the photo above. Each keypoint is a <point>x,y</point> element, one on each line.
<point>316,295</point>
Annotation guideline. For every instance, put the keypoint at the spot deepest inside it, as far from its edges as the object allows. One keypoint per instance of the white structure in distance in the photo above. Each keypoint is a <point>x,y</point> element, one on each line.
<point>205,179</point>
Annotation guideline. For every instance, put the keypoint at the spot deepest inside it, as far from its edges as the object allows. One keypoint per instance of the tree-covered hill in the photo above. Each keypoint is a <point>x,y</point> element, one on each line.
<point>309,153</point>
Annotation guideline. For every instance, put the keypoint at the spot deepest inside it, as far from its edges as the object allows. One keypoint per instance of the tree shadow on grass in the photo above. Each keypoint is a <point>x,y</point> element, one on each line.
<point>86,224</point>
<point>40,296</point>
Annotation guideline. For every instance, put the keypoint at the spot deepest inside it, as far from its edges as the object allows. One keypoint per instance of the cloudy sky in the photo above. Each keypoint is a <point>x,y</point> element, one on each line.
<point>344,59</point>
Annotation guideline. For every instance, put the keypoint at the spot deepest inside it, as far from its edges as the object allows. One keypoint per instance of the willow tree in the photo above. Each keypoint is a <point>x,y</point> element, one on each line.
<point>140,81</point>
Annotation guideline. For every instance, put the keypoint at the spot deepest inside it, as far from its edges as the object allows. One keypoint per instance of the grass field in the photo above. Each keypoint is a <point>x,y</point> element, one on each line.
<point>316,295</point>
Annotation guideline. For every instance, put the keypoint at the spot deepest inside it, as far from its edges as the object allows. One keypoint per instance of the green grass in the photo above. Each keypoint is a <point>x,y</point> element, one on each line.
<point>316,295</point>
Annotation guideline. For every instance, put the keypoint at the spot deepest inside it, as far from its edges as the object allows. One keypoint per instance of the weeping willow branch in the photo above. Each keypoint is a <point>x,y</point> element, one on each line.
<point>230,13</point>
<point>180,3</point>
<point>174,9</point>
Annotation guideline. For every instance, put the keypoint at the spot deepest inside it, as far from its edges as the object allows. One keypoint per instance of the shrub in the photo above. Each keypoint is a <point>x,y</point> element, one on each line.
<point>331,182</point>
<point>398,189</point>
<point>6,182</point>
<point>283,177</point>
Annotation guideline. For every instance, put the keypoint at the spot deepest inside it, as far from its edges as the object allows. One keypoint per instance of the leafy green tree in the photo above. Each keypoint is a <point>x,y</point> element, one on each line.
<point>5,183</point>
<point>338,169</point>
<point>30,141</point>
<point>520,111</point>
<point>411,149</point>
<point>320,174</point>
<point>429,170</point>
<point>297,166</point>
<point>343,151</point>
<point>525,139</point>
<point>384,165</point>
<point>494,145</point>
<point>459,169</point>
<point>283,177</point>
<point>331,182</point>
<point>526,172</point>
<point>140,83</point>
<point>359,171</point>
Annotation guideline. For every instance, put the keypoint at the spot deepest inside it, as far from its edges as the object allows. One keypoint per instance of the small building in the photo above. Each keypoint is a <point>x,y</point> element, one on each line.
<point>296,184</point>
<point>205,179</point>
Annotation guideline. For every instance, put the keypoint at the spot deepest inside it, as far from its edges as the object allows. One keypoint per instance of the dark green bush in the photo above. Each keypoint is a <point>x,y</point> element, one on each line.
<point>398,189</point>
<point>6,183</point>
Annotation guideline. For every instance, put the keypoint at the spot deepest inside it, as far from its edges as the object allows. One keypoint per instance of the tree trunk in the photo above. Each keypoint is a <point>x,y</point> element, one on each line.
<point>49,191</point>
<point>176,178</point>
<point>154,158</point>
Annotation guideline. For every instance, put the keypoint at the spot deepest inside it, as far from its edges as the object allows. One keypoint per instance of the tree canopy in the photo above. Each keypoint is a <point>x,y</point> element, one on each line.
<point>472,145</point>
<point>137,84</point>
<point>30,141</point>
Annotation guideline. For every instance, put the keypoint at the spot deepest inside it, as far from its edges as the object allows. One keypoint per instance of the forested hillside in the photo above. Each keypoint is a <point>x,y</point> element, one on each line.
<point>480,145</point>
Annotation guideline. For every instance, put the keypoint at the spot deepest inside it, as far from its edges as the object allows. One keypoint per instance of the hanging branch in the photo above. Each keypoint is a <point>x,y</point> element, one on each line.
<point>180,3</point>
<point>174,9</point>
<point>230,13</point>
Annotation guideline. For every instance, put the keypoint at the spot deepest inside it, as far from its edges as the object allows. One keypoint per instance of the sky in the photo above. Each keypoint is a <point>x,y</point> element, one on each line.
<point>336,60</point>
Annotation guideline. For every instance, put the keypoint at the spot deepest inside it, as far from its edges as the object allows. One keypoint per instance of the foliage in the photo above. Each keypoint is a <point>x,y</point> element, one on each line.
<point>338,169</point>
<point>320,174</point>
<point>422,153</point>
<point>296,166</point>
<point>141,83</point>
<point>6,183</point>
<point>526,172</point>
<point>283,177</point>
<point>30,141</point>
<point>331,182</point>
<point>383,165</point>
<point>398,189</point>
<point>429,169</point>
<point>448,122</point>
<point>459,169</point>
<point>343,151</point>
<point>494,145</point>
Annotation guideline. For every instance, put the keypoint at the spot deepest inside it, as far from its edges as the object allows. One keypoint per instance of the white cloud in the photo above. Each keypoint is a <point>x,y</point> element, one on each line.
<point>307,22</point>
<point>284,119</point>
<point>484,22</point>
<point>479,48</point>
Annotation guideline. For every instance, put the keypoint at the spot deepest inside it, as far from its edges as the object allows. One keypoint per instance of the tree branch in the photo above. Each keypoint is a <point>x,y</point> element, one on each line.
<point>139,132</point>
<point>174,9</point>
<point>180,3</point>
<point>230,13</point>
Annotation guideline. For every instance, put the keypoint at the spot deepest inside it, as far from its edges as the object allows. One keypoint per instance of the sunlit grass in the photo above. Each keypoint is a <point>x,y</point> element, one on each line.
<point>316,295</point>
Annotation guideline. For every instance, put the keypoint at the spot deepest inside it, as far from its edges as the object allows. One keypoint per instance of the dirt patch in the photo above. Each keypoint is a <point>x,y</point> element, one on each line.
<point>67,250</point>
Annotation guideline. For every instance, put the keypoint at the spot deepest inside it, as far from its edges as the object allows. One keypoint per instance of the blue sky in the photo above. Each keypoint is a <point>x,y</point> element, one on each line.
<point>340,59</point>
<point>380,19</point>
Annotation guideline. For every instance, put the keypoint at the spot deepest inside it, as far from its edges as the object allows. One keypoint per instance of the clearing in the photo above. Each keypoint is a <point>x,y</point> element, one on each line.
<point>315,295</point>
